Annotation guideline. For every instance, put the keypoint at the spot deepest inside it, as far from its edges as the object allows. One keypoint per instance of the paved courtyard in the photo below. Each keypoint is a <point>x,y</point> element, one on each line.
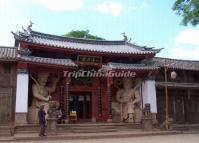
<point>180,138</point>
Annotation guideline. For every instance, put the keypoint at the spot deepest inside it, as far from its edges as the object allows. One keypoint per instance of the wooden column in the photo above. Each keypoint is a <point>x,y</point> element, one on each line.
<point>109,83</point>
<point>66,98</point>
<point>166,99</point>
<point>62,98</point>
<point>94,99</point>
<point>99,95</point>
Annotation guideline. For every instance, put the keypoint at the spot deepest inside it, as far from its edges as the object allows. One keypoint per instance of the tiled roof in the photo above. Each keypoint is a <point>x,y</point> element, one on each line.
<point>8,53</point>
<point>61,62</point>
<point>102,46</point>
<point>177,64</point>
<point>122,66</point>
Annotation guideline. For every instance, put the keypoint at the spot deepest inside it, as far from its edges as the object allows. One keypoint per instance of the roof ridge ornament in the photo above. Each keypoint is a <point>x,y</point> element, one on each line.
<point>86,34</point>
<point>126,37</point>
<point>30,26</point>
<point>24,52</point>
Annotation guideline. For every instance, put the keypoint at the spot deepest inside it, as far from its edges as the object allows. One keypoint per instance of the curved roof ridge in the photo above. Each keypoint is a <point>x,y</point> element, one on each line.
<point>79,40</point>
<point>176,59</point>
<point>143,48</point>
<point>8,47</point>
<point>102,46</point>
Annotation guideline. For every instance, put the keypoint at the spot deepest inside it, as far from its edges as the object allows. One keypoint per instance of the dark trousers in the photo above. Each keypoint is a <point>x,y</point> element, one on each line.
<point>42,130</point>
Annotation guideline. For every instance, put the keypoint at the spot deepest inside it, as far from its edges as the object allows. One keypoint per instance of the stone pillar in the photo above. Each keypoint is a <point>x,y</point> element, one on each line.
<point>21,109</point>
<point>147,118</point>
<point>149,96</point>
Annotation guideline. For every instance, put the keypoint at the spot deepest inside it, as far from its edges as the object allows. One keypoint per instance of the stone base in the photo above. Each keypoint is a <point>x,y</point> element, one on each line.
<point>33,115</point>
<point>116,117</point>
<point>154,119</point>
<point>66,121</point>
<point>51,125</point>
<point>138,115</point>
<point>109,120</point>
<point>20,118</point>
<point>147,124</point>
<point>94,119</point>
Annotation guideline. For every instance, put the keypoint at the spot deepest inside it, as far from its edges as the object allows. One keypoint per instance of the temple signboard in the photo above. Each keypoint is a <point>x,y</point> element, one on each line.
<point>89,60</point>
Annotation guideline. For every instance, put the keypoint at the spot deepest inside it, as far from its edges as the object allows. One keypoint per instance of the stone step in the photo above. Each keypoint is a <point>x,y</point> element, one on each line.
<point>30,128</point>
<point>74,136</point>
<point>89,127</point>
<point>184,127</point>
<point>5,134</point>
<point>93,130</point>
<point>4,127</point>
<point>5,130</point>
<point>26,127</point>
<point>101,124</point>
<point>26,131</point>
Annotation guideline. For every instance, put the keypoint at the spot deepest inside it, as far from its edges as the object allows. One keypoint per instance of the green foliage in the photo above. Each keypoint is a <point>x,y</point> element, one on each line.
<point>189,10</point>
<point>83,34</point>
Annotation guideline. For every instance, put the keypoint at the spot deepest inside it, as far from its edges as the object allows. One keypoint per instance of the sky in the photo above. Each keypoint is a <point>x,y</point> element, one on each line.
<point>150,23</point>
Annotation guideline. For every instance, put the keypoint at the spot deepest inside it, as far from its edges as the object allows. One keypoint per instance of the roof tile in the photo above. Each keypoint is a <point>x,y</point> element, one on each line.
<point>122,66</point>
<point>61,62</point>
<point>8,53</point>
<point>177,64</point>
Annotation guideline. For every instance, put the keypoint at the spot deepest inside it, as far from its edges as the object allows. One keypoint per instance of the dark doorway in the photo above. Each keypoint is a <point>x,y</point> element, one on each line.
<point>81,103</point>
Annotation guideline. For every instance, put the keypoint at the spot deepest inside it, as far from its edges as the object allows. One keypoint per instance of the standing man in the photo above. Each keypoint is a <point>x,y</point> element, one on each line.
<point>42,121</point>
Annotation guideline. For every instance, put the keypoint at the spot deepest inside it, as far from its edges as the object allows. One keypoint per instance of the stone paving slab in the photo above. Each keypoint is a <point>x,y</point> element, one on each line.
<point>180,138</point>
<point>73,136</point>
<point>79,136</point>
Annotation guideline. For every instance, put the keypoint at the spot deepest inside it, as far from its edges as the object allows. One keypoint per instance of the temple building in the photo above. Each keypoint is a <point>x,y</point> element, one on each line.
<point>100,80</point>
<point>183,92</point>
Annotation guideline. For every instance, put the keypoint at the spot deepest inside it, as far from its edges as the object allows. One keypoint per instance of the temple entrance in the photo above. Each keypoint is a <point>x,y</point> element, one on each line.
<point>81,103</point>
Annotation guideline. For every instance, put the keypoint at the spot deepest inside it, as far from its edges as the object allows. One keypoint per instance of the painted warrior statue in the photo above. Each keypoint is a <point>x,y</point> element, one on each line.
<point>41,94</point>
<point>127,102</point>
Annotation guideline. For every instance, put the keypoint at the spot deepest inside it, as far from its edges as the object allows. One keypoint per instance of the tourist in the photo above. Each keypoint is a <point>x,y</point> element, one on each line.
<point>42,121</point>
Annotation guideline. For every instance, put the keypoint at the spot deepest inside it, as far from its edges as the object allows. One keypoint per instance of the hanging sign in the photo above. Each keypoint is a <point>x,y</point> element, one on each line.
<point>84,59</point>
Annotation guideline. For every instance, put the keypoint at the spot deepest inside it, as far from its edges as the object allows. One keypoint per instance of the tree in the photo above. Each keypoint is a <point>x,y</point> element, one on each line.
<point>83,34</point>
<point>189,10</point>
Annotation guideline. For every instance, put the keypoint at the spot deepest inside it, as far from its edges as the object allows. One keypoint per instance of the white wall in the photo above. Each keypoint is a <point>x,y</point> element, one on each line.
<point>22,93</point>
<point>149,94</point>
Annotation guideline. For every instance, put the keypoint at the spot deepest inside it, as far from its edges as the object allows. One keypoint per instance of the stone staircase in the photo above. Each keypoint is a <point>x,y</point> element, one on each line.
<point>86,131</point>
<point>5,130</point>
<point>29,128</point>
<point>96,127</point>
<point>80,128</point>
